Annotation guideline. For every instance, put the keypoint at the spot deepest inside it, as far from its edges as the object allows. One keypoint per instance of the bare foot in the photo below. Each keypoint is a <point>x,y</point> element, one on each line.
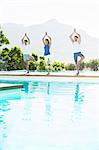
<point>77,73</point>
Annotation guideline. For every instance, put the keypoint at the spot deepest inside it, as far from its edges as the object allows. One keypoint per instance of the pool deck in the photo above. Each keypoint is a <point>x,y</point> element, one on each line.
<point>4,86</point>
<point>52,74</point>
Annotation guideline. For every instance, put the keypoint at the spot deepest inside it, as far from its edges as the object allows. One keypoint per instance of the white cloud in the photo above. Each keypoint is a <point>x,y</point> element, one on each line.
<point>80,14</point>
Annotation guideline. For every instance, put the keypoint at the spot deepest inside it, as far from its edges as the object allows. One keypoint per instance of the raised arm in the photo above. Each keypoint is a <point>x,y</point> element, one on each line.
<point>44,37</point>
<point>22,40</point>
<point>50,40</point>
<point>71,37</point>
<point>28,40</point>
<point>79,37</point>
<point>79,40</point>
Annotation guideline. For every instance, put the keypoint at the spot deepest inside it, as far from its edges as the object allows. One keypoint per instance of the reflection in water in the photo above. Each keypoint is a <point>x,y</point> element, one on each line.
<point>26,87</point>
<point>48,88</point>
<point>27,109</point>
<point>48,109</point>
<point>30,87</point>
<point>78,94</point>
<point>33,91</point>
<point>4,108</point>
<point>78,103</point>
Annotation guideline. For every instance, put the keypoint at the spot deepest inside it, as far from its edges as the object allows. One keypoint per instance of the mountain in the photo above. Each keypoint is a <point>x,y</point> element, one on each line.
<point>61,48</point>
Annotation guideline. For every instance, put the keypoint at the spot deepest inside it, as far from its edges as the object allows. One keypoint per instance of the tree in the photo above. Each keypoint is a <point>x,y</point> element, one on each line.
<point>3,39</point>
<point>12,58</point>
<point>5,58</point>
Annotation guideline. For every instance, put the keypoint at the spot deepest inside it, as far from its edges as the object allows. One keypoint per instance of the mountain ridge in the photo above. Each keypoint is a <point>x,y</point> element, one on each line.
<point>61,48</point>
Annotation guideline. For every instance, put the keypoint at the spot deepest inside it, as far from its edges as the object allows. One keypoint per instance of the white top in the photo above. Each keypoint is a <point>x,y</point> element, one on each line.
<point>26,49</point>
<point>76,47</point>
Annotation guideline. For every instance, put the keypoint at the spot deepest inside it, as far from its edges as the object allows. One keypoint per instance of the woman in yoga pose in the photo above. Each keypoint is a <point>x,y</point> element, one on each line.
<point>76,40</point>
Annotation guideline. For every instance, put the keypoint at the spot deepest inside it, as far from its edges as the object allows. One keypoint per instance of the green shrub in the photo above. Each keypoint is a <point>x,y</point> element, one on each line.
<point>94,64</point>
<point>33,65</point>
<point>41,65</point>
<point>70,67</point>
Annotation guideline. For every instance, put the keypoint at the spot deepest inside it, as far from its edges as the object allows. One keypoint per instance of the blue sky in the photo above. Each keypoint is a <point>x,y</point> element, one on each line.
<point>77,13</point>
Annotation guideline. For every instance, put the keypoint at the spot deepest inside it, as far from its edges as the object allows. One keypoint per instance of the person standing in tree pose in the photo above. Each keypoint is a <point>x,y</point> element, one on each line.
<point>26,55</point>
<point>47,43</point>
<point>76,40</point>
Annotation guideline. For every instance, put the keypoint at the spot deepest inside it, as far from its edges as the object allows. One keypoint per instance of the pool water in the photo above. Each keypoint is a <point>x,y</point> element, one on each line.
<point>50,116</point>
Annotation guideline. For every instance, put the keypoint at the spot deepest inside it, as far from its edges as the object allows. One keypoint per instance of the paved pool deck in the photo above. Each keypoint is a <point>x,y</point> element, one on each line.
<point>83,74</point>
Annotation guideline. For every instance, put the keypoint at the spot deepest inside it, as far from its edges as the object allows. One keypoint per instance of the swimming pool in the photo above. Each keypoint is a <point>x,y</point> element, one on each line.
<point>49,115</point>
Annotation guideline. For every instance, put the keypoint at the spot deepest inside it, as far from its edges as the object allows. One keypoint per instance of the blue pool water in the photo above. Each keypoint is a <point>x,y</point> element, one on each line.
<point>50,116</point>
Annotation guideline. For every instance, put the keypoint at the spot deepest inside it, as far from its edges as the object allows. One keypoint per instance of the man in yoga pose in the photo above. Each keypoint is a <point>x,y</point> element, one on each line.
<point>26,55</point>
<point>76,40</point>
<point>47,43</point>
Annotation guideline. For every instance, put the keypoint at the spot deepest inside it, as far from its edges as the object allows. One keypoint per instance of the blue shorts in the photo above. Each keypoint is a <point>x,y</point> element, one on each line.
<point>76,56</point>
